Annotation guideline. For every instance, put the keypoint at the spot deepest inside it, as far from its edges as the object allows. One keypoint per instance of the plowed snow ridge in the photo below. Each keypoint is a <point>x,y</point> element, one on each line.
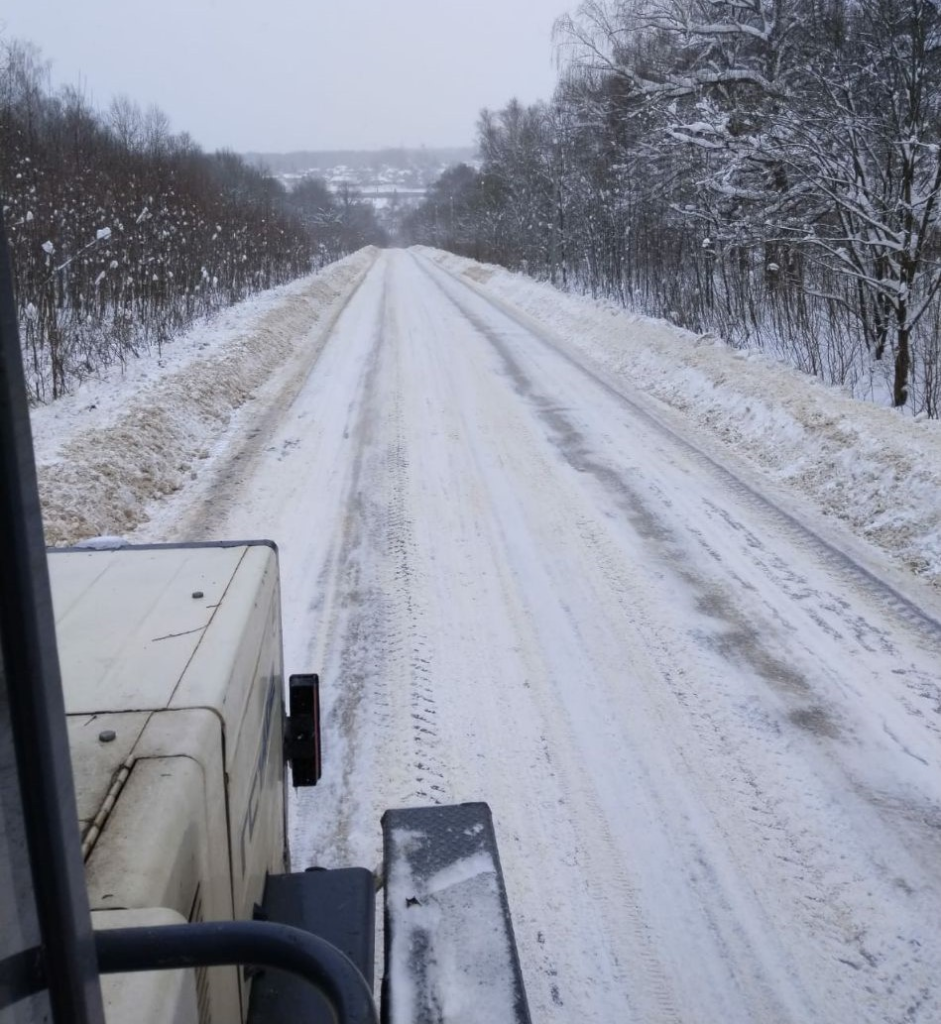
<point>116,444</point>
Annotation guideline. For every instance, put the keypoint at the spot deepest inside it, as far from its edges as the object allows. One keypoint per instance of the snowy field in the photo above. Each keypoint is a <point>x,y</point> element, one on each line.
<point>669,608</point>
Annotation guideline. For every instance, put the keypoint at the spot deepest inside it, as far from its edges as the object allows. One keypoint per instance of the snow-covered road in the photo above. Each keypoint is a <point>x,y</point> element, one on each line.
<point>710,740</point>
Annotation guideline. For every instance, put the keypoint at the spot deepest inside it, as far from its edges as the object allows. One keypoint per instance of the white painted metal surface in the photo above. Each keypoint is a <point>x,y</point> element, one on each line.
<point>172,671</point>
<point>129,623</point>
<point>167,996</point>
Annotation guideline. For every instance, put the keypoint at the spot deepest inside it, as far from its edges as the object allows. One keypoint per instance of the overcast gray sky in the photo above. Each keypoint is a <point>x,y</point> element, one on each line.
<point>279,75</point>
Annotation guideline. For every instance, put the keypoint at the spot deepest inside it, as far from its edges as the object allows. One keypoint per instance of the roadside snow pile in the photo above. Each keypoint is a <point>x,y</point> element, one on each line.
<point>103,452</point>
<point>878,471</point>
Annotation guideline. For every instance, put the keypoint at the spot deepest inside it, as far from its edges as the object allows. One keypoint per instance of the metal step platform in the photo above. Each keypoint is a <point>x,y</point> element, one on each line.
<point>450,952</point>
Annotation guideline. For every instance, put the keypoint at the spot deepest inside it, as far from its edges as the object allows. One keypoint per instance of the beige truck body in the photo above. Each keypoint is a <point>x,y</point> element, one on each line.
<point>173,678</point>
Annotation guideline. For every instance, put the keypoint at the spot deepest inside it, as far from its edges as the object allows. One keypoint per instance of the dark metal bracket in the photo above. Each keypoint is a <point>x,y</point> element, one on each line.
<point>302,746</point>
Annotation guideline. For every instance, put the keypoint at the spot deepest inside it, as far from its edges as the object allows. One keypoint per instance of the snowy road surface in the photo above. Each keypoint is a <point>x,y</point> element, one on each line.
<point>710,741</point>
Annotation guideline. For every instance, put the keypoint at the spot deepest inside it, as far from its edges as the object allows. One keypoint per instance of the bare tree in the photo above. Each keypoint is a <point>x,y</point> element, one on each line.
<point>122,232</point>
<point>766,168</point>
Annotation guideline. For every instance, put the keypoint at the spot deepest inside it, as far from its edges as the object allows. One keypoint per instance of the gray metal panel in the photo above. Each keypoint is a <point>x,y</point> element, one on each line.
<point>449,944</point>
<point>337,905</point>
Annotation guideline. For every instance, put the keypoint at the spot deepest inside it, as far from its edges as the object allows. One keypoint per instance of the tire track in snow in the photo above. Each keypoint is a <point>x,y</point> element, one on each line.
<point>380,719</point>
<point>600,854</point>
<point>843,566</point>
<point>645,990</point>
<point>803,862</point>
<point>885,602</point>
<point>535,718</point>
<point>413,662</point>
<point>410,731</point>
<point>353,614</point>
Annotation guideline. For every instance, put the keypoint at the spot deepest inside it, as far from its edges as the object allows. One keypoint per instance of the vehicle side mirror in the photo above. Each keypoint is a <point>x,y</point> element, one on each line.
<point>302,730</point>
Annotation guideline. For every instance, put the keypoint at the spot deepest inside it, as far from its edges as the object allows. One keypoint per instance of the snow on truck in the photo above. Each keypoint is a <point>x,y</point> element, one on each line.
<point>147,733</point>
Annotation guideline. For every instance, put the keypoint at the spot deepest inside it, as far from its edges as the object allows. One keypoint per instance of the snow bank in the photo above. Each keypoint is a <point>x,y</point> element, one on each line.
<point>118,442</point>
<point>877,471</point>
